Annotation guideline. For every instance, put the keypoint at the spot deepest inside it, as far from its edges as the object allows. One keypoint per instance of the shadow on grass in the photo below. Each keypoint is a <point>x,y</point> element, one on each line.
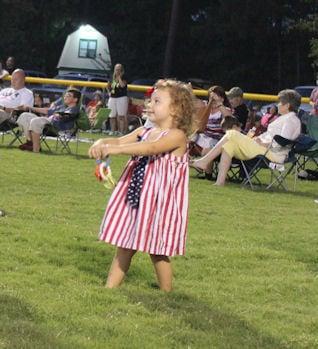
<point>53,152</point>
<point>223,329</point>
<point>96,260</point>
<point>261,188</point>
<point>21,327</point>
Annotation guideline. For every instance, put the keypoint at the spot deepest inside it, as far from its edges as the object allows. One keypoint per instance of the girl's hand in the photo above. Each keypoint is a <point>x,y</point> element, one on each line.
<point>94,150</point>
<point>216,98</point>
<point>101,150</point>
<point>98,151</point>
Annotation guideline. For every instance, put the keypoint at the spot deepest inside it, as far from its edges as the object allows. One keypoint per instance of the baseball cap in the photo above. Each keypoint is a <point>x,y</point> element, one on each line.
<point>235,92</point>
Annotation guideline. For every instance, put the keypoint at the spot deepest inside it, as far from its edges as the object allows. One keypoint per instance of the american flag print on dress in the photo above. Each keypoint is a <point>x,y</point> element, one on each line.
<point>159,224</point>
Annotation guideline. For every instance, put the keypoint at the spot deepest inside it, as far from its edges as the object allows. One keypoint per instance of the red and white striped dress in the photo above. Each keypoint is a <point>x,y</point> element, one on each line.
<point>159,225</point>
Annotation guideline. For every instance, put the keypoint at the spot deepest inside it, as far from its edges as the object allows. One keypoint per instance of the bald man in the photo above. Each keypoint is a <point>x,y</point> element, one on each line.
<point>16,96</point>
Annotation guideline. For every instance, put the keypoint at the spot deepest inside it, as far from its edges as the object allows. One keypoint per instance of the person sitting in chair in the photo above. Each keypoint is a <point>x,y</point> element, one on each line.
<point>244,147</point>
<point>14,97</point>
<point>61,115</point>
<point>93,107</point>
<point>3,73</point>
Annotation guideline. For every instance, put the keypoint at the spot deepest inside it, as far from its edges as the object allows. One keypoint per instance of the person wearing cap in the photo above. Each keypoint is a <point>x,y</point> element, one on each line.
<point>240,110</point>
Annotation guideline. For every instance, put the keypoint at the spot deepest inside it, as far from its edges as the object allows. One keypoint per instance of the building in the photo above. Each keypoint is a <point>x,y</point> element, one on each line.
<point>85,50</point>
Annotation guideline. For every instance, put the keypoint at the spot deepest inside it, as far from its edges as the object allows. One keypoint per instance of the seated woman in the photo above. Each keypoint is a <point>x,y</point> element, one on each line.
<point>242,147</point>
<point>38,100</point>
<point>270,116</point>
<point>210,122</point>
<point>93,107</point>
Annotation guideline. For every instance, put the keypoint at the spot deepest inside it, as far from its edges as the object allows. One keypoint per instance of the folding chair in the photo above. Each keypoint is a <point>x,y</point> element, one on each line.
<point>10,126</point>
<point>278,171</point>
<point>101,117</point>
<point>62,138</point>
<point>304,157</point>
<point>309,152</point>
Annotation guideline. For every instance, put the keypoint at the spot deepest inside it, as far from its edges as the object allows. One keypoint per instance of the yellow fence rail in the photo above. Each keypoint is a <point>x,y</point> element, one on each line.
<point>139,88</point>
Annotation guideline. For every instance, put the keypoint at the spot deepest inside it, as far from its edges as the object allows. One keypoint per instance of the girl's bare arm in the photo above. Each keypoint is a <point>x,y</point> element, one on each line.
<point>174,140</point>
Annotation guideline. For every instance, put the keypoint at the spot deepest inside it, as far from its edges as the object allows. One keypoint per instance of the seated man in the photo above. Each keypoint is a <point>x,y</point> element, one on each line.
<point>60,115</point>
<point>14,97</point>
<point>235,96</point>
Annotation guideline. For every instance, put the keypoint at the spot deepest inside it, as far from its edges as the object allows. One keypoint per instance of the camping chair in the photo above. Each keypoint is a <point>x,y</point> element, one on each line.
<point>10,126</point>
<point>309,153</point>
<point>304,157</point>
<point>278,171</point>
<point>101,117</point>
<point>62,138</point>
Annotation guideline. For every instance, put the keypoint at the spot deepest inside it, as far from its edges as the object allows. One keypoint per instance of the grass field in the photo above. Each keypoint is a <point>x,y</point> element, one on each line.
<point>249,278</point>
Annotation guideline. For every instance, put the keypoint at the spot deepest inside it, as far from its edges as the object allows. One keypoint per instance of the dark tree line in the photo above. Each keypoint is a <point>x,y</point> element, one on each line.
<point>262,46</point>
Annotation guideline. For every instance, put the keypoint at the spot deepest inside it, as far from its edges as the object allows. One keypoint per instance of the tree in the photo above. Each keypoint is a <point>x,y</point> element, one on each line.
<point>259,45</point>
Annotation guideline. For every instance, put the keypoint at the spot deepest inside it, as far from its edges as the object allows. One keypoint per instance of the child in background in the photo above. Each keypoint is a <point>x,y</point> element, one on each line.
<point>230,123</point>
<point>148,210</point>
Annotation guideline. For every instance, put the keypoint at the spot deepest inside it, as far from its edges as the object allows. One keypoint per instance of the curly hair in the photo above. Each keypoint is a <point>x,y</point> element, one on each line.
<point>182,103</point>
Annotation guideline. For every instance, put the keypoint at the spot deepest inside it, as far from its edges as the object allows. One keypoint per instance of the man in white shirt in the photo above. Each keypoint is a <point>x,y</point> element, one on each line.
<point>16,96</point>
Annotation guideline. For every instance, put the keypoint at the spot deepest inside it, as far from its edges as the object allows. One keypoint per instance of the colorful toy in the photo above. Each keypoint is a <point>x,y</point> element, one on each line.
<point>104,174</point>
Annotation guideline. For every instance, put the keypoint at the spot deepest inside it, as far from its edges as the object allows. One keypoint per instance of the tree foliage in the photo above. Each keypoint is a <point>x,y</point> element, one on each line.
<point>259,45</point>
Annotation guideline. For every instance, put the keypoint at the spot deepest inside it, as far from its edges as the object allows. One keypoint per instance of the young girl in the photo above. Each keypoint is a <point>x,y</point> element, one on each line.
<point>148,209</point>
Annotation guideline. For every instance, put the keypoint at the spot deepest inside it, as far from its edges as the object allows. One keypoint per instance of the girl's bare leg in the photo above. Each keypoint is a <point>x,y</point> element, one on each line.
<point>119,267</point>
<point>163,270</point>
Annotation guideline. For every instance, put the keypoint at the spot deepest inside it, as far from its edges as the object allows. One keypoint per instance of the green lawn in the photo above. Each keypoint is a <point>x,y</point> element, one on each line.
<point>249,278</point>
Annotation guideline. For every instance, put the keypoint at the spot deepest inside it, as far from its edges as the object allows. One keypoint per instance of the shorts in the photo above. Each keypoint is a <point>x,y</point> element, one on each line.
<point>32,122</point>
<point>118,106</point>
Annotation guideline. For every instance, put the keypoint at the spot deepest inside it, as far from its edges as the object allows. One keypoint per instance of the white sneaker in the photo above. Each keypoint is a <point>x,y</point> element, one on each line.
<point>316,201</point>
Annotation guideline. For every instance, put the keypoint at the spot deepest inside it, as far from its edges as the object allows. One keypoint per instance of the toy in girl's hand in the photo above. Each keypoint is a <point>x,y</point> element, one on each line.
<point>104,174</point>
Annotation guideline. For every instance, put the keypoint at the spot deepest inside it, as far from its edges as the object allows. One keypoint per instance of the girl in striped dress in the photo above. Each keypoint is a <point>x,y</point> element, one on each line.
<point>148,210</point>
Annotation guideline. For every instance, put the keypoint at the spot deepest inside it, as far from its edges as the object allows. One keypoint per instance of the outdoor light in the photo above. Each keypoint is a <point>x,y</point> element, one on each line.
<point>85,28</point>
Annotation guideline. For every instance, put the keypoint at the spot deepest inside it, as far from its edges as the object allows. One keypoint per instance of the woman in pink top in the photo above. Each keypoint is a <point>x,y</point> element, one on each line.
<point>270,116</point>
